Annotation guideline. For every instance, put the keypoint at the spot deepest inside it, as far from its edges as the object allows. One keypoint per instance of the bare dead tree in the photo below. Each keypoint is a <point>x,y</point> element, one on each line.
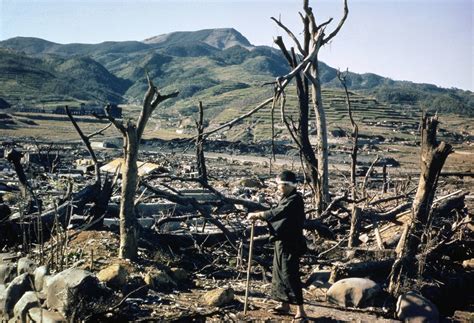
<point>305,72</point>
<point>14,157</point>
<point>367,176</point>
<point>132,134</point>
<point>201,161</point>
<point>432,158</point>
<point>355,134</point>
<point>356,211</point>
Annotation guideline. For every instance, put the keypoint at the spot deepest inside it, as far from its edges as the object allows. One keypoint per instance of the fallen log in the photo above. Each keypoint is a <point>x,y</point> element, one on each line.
<point>446,206</point>
<point>323,230</point>
<point>16,225</point>
<point>390,215</point>
<point>377,270</point>
<point>193,203</point>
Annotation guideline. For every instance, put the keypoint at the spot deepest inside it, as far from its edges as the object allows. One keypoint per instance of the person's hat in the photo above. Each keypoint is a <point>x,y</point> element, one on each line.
<point>287,177</point>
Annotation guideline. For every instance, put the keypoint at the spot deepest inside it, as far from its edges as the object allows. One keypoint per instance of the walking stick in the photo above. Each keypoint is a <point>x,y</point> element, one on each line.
<point>249,266</point>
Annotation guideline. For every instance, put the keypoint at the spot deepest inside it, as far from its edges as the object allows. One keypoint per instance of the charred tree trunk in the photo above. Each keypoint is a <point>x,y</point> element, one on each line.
<point>128,220</point>
<point>14,157</point>
<point>31,202</point>
<point>132,134</point>
<point>300,134</point>
<point>354,231</point>
<point>433,156</point>
<point>305,72</point>
<point>322,134</point>
<point>201,161</point>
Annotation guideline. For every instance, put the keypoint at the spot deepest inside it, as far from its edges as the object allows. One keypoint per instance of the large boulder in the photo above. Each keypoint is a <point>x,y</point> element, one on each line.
<point>39,274</point>
<point>14,292</point>
<point>353,292</point>
<point>37,314</point>
<point>3,296</point>
<point>25,265</point>
<point>413,307</point>
<point>7,272</point>
<point>114,276</point>
<point>218,297</point>
<point>28,300</point>
<point>73,290</point>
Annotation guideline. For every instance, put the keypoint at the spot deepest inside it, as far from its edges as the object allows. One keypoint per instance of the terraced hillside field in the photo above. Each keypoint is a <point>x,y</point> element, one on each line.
<point>367,112</point>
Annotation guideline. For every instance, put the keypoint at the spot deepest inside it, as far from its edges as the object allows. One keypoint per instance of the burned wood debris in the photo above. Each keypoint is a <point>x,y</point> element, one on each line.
<point>129,229</point>
<point>194,240</point>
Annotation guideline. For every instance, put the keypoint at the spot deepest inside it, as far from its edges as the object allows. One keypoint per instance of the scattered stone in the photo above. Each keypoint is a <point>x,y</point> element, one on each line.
<point>39,274</point>
<point>27,301</point>
<point>412,307</point>
<point>251,182</point>
<point>159,280</point>
<point>219,297</point>
<point>7,272</point>
<point>469,263</point>
<point>72,290</point>
<point>14,292</point>
<point>37,314</point>
<point>114,276</point>
<point>353,292</point>
<point>462,316</point>
<point>25,265</point>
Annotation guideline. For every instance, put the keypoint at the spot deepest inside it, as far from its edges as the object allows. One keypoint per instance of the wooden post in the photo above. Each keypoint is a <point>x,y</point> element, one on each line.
<point>355,220</point>
<point>249,266</point>
<point>201,161</point>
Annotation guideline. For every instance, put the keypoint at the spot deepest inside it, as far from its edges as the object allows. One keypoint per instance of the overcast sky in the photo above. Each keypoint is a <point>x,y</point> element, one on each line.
<point>425,41</point>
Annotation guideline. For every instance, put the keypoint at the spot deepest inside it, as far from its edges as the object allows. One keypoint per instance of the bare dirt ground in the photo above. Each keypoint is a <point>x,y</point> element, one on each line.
<point>211,266</point>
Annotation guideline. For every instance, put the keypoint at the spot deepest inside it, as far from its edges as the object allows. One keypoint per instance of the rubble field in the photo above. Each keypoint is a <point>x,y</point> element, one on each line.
<point>59,260</point>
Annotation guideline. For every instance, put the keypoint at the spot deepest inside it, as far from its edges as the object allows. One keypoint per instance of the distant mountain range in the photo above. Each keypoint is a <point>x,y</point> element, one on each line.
<point>217,66</point>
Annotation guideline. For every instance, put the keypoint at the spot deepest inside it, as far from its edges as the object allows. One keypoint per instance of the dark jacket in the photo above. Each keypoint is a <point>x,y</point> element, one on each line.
<point>286,222</point>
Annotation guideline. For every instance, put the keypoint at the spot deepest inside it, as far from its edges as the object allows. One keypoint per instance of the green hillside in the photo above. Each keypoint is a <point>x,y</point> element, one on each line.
<point>217,66</point>
<point>41,80</point>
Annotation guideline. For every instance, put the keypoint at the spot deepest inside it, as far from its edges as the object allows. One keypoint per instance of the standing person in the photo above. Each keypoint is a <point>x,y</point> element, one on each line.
<point>286,222</point>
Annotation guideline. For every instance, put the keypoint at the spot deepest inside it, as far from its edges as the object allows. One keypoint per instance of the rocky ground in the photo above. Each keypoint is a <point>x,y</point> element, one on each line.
<point>186,271</point>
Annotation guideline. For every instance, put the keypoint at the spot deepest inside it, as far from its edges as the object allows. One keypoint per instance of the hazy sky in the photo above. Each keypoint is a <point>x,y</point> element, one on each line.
<point>429,41</point>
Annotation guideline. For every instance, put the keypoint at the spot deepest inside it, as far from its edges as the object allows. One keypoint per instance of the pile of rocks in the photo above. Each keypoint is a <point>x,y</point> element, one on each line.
<point>29,293</point>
